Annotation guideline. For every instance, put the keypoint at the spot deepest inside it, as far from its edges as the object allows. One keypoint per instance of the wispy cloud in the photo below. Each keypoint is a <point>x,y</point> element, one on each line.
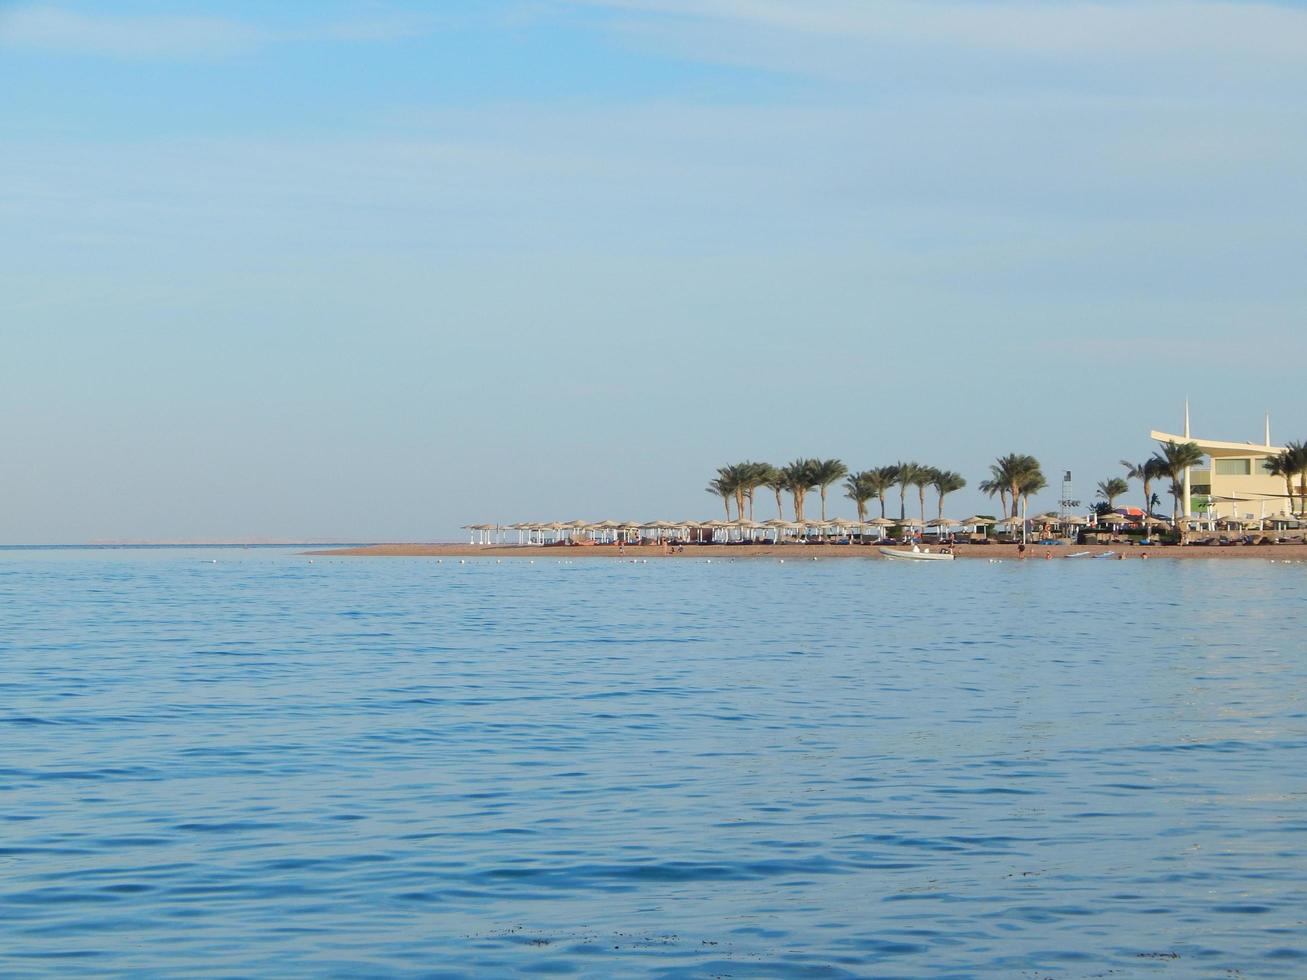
<point>58,30</point>
<point>54,29</point>
<point>1031,27</point>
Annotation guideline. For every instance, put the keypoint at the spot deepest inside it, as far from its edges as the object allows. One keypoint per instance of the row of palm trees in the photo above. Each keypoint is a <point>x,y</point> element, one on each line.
<point>738,482</point>
<point>1014,478</point>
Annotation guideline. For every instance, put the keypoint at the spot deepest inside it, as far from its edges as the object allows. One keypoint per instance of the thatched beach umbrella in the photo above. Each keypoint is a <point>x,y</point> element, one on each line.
<point>606,528</point>
<point>1009,524</point>
<point>880,523</point>
<point>844,526</point>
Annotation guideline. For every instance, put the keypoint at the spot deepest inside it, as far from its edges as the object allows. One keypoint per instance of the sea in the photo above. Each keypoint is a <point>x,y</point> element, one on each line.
<point>257,762</point>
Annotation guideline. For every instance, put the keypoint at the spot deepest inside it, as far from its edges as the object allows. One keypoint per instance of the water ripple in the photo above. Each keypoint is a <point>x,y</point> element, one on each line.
<point>678,769</point>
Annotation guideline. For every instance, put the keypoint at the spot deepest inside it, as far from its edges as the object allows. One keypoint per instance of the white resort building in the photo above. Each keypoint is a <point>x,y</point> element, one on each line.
<point>1235,482</point>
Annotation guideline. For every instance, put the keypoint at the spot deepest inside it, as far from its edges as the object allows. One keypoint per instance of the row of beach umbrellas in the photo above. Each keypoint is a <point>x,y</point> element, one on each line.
<point>529,531</point>
<point>612,530</point>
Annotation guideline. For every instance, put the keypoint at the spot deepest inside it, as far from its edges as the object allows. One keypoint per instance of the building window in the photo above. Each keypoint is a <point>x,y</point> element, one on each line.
<point>1233,467</point>
<point>1264,466</point>
<point>1201,488</point>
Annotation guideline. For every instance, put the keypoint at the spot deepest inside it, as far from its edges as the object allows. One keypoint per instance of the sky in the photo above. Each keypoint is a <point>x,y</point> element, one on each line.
<point>366,270</point>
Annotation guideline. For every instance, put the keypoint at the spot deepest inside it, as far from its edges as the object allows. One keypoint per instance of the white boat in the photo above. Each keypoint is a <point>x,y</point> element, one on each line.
<point>917,554</point>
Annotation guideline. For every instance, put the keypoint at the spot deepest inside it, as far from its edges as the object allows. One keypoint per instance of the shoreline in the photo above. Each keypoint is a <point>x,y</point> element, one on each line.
<point>801,552</point>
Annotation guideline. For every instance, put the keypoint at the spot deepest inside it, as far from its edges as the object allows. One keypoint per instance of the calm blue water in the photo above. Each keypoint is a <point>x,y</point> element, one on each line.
<point>391,766</point>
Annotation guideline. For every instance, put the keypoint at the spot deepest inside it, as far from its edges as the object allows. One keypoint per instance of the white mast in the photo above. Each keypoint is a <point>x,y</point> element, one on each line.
<point>1186,472</point>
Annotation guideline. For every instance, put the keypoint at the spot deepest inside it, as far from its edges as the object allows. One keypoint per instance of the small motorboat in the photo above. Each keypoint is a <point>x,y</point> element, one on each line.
<point>917,554</point>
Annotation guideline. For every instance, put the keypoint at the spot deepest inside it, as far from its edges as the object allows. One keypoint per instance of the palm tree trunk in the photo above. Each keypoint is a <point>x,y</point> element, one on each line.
<point>823,501</point>
<point>1148,509</point>
<point>881,498</point>
<point>941,507</point>
<point>921,493</point>
<point>903,496</point>
<point>726,502</point>
<point>780,508</point>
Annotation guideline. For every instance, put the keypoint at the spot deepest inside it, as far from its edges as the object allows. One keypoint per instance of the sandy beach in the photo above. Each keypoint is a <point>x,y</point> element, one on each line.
<point>1279,552</point>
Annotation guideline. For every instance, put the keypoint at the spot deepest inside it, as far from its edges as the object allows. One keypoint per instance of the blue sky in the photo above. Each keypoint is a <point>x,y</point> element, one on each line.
<point>373,270</point>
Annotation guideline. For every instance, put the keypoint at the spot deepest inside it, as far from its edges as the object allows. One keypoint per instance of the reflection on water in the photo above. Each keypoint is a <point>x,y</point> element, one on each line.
<point>243,762</point>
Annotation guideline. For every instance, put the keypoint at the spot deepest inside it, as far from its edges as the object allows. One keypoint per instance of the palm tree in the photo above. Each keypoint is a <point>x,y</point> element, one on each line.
<point>721,486</point>
<point>1174,460</point>
<point>826,472</point>
<point>946,482</point>
<point>859,487</point>
<point>800,477</point>
<point>774,480</point>
<point>924,477</point>
<point>736,477</point>
<point>905,475</point>
<point>1031,484</point>
<point>1145,472</point>
<point>752,476</point>
<point>1109,490</point>
<point>881,479</point>
<point>1281,464</point>
<point>1015,471</point>
<point>1298,459</point>
<point>993,488</point>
